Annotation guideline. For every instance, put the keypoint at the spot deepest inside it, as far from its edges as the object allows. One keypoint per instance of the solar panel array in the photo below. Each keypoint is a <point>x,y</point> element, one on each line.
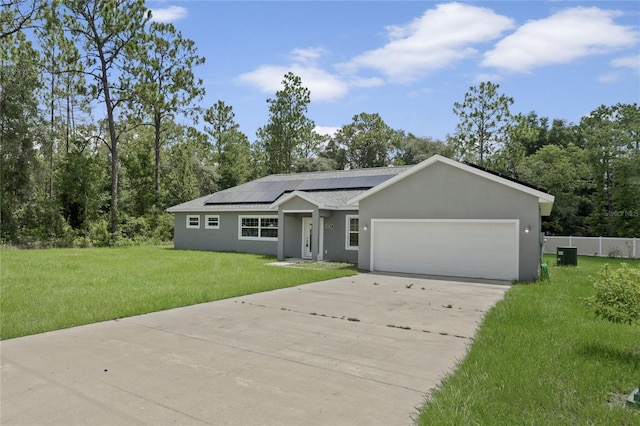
<point>268,191</point>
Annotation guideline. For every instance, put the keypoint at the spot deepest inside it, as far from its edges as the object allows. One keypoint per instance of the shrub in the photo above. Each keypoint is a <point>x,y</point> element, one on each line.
<point>617,297</point>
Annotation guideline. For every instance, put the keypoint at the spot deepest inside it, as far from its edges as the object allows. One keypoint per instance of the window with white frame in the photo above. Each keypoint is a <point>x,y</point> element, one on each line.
<point>352,232</point>
<point>212,221</point>
<point>193,221</point>
<point>258,228</point>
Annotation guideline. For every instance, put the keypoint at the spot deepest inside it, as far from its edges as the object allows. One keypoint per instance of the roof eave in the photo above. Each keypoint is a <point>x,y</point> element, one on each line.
<point>546,206</point>
<point>217,210</point>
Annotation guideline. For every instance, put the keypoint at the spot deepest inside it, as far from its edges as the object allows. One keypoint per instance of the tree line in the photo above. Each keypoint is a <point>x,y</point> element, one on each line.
<point>102,128</point>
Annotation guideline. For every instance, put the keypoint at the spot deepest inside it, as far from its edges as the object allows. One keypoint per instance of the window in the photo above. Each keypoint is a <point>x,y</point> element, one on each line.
<point>212,222</point>
<point>258,228</point>
<point>352,233</point>
<point>193,221</point>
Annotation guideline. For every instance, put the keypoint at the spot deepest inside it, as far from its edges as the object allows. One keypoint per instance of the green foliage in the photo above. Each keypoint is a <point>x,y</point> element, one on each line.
<point>312,164</point>
<point>411,149</point>
<point>509,159</point>
<point>232,146</point>
<point>137,177</point>
<point>103,31</point>
<point>617,297</point>
<point>288,127</point>
<point>612,139</point>
<point>367,141</point>
<point>191,170</point>
<point>564,172</point>
<point>163,84</point>
<point>17,14</point>
<point>484,121</point>
<point>538,359</point>
<point>335,154</point>
<point>65,170</point>
<point>20,130</point>
<point>625,218</point>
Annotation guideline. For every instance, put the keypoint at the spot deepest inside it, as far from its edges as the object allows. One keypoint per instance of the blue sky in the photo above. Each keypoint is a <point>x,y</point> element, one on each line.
<point>409,61</point>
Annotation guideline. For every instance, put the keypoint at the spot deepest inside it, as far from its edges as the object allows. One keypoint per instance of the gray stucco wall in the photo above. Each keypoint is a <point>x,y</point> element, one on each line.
<point>335,238</point>
<point>223,239</point>
<point>334,231</point>
<point>444,192</point>
<point>226,238</point>
<point>293,235</point>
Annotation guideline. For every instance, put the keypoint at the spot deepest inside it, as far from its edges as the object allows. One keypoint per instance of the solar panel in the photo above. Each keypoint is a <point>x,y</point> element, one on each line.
<point>269,189</point>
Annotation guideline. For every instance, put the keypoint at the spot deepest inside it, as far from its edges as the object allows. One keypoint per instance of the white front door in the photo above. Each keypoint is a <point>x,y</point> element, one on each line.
<point>307,237</point>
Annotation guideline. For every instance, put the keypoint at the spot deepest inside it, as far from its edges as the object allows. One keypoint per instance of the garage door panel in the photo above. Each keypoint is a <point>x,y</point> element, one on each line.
<point>477,249</point>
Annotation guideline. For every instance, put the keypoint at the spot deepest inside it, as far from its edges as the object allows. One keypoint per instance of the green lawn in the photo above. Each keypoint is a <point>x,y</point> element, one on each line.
<point>43,290</point>
<point>539,358</point>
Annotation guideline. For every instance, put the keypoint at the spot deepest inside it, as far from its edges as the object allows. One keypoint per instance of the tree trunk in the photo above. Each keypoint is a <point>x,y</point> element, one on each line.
<point>156,122</point>
<point>52,118</point>
<point>113,136</point>
<point>114,186</point>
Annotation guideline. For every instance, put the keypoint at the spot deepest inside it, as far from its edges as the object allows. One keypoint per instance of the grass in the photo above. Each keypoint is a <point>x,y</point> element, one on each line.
<point>44,290</point>
<point>540,357</point>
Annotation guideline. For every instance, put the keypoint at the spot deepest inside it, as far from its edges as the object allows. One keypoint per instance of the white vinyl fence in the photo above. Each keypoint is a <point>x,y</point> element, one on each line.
<point>596,246</point>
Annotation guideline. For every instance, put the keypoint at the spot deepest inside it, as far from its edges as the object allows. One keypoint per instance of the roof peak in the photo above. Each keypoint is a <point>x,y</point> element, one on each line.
<point>363,170</point>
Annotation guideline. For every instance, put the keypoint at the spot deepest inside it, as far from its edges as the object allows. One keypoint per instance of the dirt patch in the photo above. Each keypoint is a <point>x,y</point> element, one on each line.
<point>617,399</point>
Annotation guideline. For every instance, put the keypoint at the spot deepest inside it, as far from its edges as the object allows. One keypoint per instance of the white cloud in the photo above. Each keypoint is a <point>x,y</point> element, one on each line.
<point>493,77</point>
<point>365,81</point>
<point>632,62</point>
<point>169,14</point>
<point>610,77</point>
<point>438,39</point>
<point>561,38</point>
<point>326,130</point>
<point>307,56</point>
<point>323,85</point>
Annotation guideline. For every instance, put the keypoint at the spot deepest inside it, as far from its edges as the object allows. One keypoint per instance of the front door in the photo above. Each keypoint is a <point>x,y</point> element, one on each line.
<point>307,237</point>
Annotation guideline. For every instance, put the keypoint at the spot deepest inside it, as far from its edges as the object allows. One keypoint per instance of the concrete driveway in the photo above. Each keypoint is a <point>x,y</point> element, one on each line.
<point>360,350</point>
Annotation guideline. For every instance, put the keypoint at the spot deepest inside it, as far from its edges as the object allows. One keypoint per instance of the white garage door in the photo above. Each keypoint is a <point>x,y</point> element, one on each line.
<point>456,248</point>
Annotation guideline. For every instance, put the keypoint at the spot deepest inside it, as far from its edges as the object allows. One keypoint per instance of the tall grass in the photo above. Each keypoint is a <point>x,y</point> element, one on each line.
<point>540,357</point>
<point>44,290</point>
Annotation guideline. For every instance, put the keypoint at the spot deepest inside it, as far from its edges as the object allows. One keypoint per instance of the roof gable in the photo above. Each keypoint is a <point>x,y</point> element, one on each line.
<point>545,200</point>
<point>328,200</point>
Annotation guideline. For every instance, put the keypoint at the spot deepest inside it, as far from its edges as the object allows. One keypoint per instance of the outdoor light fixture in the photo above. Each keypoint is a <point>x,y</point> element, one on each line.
<point>527,229</point>
<point>365,227</point>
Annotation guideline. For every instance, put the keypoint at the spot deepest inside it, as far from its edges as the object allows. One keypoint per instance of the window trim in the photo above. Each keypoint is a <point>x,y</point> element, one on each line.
<point>348,232</point>
<point>259,217</point>
<point>189,225</point>
<point>211,216</point>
